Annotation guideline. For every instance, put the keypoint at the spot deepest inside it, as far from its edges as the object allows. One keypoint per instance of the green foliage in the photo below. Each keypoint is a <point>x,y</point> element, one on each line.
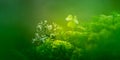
<point>72,21</point>
<point>45,30</point>
<point>55,50</point>
<point>97,39</point>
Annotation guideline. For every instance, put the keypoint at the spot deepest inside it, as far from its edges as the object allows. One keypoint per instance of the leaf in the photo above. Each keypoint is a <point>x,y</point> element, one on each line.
<point>69,18</point>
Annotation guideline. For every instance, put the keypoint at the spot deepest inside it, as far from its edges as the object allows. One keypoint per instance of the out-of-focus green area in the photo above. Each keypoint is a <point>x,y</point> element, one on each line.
<point>84,9</point>
<point>15,28</point>
<point>18,19</point>
<point>97,39</point>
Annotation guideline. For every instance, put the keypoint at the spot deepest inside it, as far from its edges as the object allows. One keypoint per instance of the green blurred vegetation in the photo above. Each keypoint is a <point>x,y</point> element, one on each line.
<point>18,19</point>
<point>94,40</point>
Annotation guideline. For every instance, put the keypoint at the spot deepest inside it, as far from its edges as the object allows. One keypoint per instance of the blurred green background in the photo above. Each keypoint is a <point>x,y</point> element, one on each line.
<point>18,19</point>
